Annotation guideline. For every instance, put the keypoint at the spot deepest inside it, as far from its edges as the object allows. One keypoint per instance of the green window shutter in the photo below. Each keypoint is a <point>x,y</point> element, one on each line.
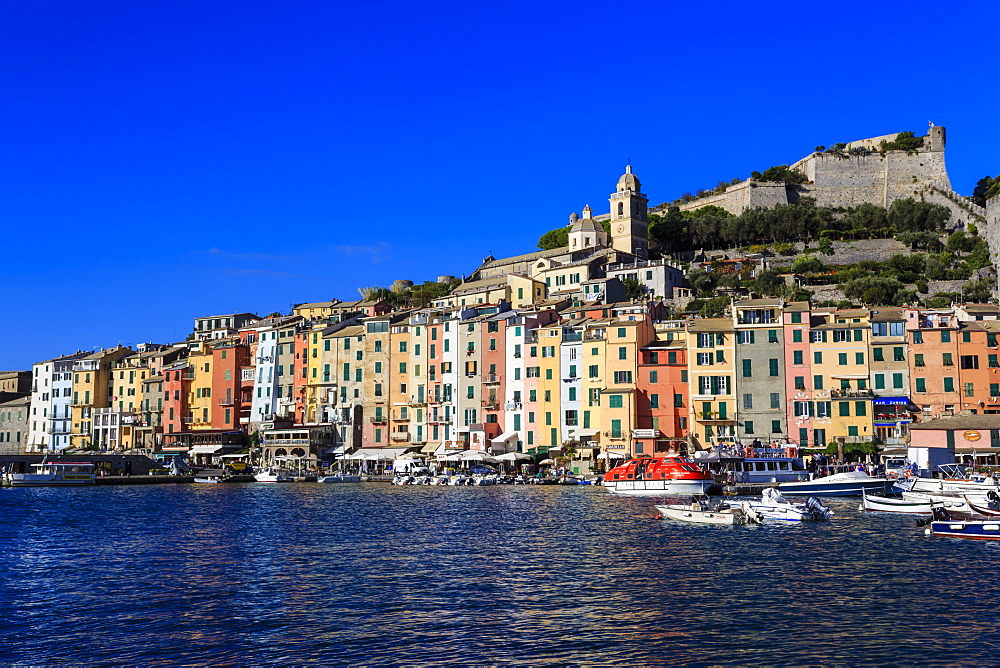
<point>860,407</point>
<point>949,384</point>
<point>796,336</point>
<point>817,357</point>
<point>844,408</point>
<point>747,368</point>
<point>817,382</point>
<point>859,358</point>
<point>877,355</point>
<point>748,426</point>
<point>879,381</point>
<point>921,384</point>
<point>897,381</point>
<point>773,364</point>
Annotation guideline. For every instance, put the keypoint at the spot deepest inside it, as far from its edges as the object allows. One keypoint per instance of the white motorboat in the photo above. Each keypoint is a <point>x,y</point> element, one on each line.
<point>210,480</point>
<point>53,473</point>
<point>702,510</point>
<point>848,483</point>
<point>956,481</point>
<point>269,474</point>
<point>921,505</point>
<point>774,506</point>
<point>339,477</point>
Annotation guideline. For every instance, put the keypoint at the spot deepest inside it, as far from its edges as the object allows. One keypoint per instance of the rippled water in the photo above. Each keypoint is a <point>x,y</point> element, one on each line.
<point>372,573</point>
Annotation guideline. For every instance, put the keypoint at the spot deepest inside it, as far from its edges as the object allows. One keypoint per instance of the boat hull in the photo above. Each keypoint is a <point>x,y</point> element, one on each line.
<point>658,487</point>
<point>43,480</point>
<point>840,484</point>
<point>685,514</point>
<point>977,530</point>
<point>909,506</point>
<point>339,477</point>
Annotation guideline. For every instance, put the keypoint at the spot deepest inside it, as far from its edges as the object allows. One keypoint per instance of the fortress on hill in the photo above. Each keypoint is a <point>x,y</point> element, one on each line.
<point>860,172</point>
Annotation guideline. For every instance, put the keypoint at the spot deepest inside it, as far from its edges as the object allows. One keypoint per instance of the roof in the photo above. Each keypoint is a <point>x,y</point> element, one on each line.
<point>353,330</point>
<point>710,325</point>
<point>888,315</point>
<point>797,306</point>
<point>526,257</point>
<point>747,303</point>
<point>482,284</point>
<point>960,422</point>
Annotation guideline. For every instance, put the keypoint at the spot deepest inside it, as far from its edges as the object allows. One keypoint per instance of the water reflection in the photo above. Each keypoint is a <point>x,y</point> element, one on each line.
<point>380,574</point>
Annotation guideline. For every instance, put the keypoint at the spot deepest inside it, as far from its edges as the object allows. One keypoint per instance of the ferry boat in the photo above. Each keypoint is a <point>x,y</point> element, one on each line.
<point>53,473</point>
<point>659,476</point>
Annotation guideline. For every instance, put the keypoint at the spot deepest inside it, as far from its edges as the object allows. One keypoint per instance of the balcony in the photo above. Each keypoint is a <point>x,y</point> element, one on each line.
<point>379,419</point>
<point>403,436</point>
<point>713,416</point>
<point>188,375</point>
<point>851,394</point>
<point>490,405</point>
<point>491,378</point>
<point>594,336</point>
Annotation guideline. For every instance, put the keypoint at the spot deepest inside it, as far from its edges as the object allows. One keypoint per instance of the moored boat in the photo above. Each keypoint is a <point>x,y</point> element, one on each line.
<point>339,477</point>
<point>847,483</point>
<point>53,473</point>
<point>661,476</point>
<point>702,510</point>
<point>269,474</point>
<point>988,508</point>
<point>956,481</point>
<point>908,505</point>
<point>977,529</point>
<point>773,506</point>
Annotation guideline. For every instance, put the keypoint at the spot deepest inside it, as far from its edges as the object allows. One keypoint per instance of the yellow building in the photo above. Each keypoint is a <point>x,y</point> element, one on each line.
<point>548,349</point>
<point>840,343</point>
<point>711,371</point>
<point>91,379</point>
<point>623,341</point>
<point>200,395</point>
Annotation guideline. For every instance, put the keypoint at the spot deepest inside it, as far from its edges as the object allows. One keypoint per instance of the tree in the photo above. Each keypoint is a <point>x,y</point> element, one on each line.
<point>876,290</point>
<point>702,281</point>
<point>768,283</point>
<point>634,290</point>
<point>904,141</point>
<point>807,264</point>
<point>865,216</point>
<point>909,215</point>
<point>554,239</point>
<point>780,173</point>
<point>714,307</point>
<point>977,291</point>
<point>825,246</point>
<point>983,186</point>
<point>925,240</point>
<point>669,230</point>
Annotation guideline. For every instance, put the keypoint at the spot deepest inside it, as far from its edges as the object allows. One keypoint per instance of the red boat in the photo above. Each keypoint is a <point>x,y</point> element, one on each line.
<point>658,476</point>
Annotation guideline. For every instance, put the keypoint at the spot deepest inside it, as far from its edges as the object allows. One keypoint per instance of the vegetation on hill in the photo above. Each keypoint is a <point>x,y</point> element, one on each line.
<point>559,238</point>
<point>986,188</point>
<point>904,141</point>
<point>416,296</point>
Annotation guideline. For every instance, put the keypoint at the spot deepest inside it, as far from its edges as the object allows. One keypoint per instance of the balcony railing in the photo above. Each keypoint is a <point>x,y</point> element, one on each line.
<point>378,419</point>
<point>851,394</point>
<point>490,378</point>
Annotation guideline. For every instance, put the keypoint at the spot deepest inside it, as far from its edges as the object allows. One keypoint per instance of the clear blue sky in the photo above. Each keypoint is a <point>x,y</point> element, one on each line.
<point>168,160</point>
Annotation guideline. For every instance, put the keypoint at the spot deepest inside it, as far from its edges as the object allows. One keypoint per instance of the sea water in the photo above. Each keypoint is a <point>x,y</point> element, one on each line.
<point>379,574</point>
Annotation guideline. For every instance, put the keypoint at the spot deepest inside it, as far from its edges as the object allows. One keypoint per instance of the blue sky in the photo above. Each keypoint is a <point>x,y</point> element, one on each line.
<point>168,160</point>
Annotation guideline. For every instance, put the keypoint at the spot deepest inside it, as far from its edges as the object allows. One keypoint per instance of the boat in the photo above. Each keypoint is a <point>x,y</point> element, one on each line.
<point>702,510</point>
<point>847,483</point>
<point>909,505</point>
<point>339,477</point>
<point>269,474</point>
<point>956,481</point>
<point>210,480</point>
<point>989,508</point>
<point>661,476</point>
<point>53,473</point>
<point>774,506</point>
<point>977,529</point>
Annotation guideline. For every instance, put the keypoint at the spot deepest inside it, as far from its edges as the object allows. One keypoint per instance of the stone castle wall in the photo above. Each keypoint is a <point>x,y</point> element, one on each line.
<point>851,180</point>
<point>992,230</point>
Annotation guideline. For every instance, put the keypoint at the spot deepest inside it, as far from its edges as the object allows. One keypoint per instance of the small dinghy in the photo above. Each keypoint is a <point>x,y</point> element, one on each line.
<point>774,506</point>
<point>703,510</point>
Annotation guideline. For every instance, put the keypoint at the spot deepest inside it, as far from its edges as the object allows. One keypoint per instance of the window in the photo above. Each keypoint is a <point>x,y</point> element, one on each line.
<point>946,359</point>
<point>623,376</point>
<point>654,401</point>
<point>706,341</point>
<point>772,336</point>
<point>817,382</point>
<point>968,389</point>
<point>946,337</point>
<point>745,337</point>
<point>852,430</point>
<point>920,384</point>
<point>823,409</point>
<point>995,389</point>
<point>918,337</point>
<point>678,401</point>
<point>918,359</point>
<point>841,335</point>
<point>817,358</point>
<point>775,400</point>
<point>747,401</point>
<point>796,318</point>
<point>949,384</point>
<point>969,361</point>
<point>772,367</point>
<point>797,357</point>
<point>860,408</point>
<point>897,381</point>
<point>842,359</point>
<point>802,408</point>
<point>877,355</point>
<point>800,382</point>
<point>747,368</point>
<point>615,401</point>
<point>705,359</point>
<point>622,353</point>
<point>592,371</point>
<point>653,376</point>
<point>897,355</point>
<point>796,336</point>
<point>879,381</point>
<point>748,426</point>
<point>775,426</point>
<point>844,408</point>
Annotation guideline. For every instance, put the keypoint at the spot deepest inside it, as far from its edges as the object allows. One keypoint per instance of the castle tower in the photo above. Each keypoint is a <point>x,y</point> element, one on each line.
<point>586,233</point>
<point>628,216</point>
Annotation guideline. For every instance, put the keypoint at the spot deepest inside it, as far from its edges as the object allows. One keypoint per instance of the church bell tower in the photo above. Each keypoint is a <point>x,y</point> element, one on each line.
<point>628,216</point>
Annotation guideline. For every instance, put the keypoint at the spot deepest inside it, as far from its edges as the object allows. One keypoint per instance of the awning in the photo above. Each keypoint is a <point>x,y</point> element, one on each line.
<point>588,432</point>
<point>429,448</point>
<point>892,401</point>
<point>339,450</point>
<point>503,438</point>
<point>204,449</point>
<point>612,455</point>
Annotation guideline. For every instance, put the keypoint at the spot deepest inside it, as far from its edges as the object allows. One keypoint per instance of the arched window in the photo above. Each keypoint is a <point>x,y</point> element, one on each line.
<point>621,208</point>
